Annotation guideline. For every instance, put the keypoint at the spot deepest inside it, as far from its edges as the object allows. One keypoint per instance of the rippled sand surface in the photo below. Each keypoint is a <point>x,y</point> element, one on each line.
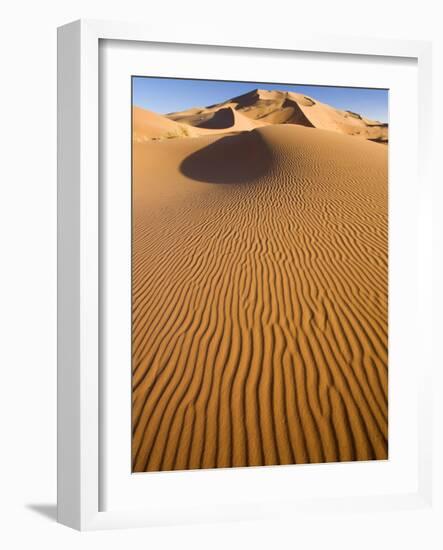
<point>259,299</point>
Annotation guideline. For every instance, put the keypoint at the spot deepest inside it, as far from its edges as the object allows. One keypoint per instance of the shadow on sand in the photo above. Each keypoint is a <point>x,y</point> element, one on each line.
<point>239,158</point>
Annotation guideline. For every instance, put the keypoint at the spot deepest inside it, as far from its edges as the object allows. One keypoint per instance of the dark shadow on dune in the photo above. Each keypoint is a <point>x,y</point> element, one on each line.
<point>296,116</point>
<point>221,119</point>
<point>239,158</point>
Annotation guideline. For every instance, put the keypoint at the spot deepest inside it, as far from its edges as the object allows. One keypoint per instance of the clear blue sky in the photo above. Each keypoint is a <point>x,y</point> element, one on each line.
<point>166,95</point>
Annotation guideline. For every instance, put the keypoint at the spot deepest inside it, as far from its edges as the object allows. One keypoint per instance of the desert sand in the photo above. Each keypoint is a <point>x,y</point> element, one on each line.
<point>260,286</point>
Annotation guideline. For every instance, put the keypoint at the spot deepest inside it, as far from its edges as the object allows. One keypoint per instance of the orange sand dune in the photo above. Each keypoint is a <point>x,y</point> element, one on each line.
<point>253,110</point>
<point>259,299</point>
<point>221,117</point>
<point>147,125</point>
<point>225,118</point>
<point>264,107</point>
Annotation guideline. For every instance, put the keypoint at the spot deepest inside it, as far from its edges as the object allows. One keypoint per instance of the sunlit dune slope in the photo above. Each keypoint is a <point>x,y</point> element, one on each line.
<point>147,125</point>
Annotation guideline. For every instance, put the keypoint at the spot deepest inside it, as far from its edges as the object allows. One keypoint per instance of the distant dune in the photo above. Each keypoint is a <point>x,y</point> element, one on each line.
<point>260,298</point>
<point>147,125</point>
<point>256,109</point>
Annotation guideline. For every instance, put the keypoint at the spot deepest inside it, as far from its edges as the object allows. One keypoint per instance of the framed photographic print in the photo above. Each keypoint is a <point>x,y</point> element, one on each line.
<point>259,274</point>
<point>242,282</point>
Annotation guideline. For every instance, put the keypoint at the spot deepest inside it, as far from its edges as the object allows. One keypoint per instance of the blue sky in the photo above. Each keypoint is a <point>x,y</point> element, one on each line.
<point>166,95</point>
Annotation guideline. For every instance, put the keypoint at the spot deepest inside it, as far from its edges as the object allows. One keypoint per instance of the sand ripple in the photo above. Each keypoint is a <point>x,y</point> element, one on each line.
<point>259,300</point>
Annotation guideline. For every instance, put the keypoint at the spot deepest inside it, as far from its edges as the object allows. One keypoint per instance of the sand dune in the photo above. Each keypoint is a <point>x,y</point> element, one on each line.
<point>225,118</point>
<point>259,297</point>
<point>264,107</point>
<point>147,125</point>
<point>255,109</point>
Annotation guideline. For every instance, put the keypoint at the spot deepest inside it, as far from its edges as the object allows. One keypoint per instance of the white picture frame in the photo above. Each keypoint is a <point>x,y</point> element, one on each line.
<point>80,412</point>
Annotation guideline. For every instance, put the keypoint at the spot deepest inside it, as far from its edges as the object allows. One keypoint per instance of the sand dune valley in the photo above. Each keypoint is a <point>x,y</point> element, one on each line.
<point>259,285</point>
